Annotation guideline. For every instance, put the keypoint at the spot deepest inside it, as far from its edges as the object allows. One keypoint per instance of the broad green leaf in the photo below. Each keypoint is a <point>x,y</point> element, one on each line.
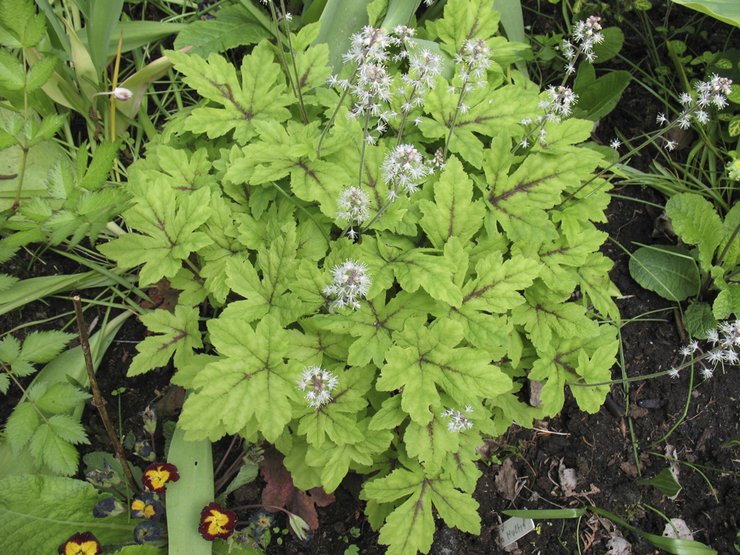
<point>251,384</point>
<point>490,113</point>
<point>698,319</point>
<point>598,96</point>
<point>168,227</point>
<point>727,302</point>
<point>547,317</point>
<point>430,443</point>
<point>669,271</point>
<point>575,362</point>
<point>453,212</point>
<point>186,498</point>
<point>610,46</point>
<point>464,20</point>
<point>727,11</point>
<point>413,268</point>
<point>593,276</point>
<point>372,325</point>
<point>696,222</point>
<point>178,335</point>
<point>38,513</point>
<point>519,201</point>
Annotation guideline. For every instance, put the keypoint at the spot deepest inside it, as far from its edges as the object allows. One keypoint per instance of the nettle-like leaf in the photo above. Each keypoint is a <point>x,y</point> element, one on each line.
<point>253,385</point>
<point>260,93</point>
<point>168,225</point>
<point>38,347</point>
<point>38,513</point>
<point>178,336</point>
<point>427,359</point>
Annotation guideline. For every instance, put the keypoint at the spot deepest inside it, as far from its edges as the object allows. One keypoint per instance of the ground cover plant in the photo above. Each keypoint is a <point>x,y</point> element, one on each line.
<point>358,261</point>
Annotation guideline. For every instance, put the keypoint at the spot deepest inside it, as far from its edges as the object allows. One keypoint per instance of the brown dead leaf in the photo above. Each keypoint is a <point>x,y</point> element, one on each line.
<point>281,492</point>
<point>506,479</point>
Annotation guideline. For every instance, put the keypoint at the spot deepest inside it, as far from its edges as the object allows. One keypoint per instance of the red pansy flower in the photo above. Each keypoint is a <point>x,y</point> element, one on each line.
<point>157,475</point>
<point>81,544</point>
<point>216,522</point>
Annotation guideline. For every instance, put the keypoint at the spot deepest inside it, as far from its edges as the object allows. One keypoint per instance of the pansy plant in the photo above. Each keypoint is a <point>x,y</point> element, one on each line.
<point>372,291</point>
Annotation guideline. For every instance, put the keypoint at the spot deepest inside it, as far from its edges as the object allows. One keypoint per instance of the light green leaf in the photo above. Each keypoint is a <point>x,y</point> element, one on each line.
<point>598,96</point>
<point>453,212</point>
<point>252,383</point>
<point>669,271</point>
<point>456,508</point>
<point>168,225</point>
<point>12,76</point>
<point>464,20</point>
<point>410,527</point>
<point>698,319</point>
<point>727,11</point>
<point>187,497</point>
<point>424,359</point>
<point>178,336</point>
<point>260,94</point>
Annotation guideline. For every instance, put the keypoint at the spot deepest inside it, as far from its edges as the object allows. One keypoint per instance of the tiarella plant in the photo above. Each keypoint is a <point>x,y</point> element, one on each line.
<point>376,289</point>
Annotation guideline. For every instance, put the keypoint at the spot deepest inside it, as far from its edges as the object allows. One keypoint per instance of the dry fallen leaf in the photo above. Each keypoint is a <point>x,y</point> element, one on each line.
<point>506,480</point>
<point>677,528</point>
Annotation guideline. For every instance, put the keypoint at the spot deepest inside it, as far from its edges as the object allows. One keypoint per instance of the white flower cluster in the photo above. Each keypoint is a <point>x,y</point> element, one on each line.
<point>725,349</point>
<point>353,205</point>
<point>560,102</point>
<point>404,168</point>
<point>421,76</point>
<point>474,60</point>
<point>458,421</point>
<point>350,283</point>
<point>318,385</point>
<point>586,34</point>
<point>712,92</point>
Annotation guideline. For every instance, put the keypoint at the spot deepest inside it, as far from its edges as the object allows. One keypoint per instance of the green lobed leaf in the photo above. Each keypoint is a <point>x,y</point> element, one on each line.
<point>260,93</point>
<point>42,346</point>
<point>178,336</point>
<point>453,212</point>
<point>425,358</point>
<point>168,225</point>
<point>252,383</point>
